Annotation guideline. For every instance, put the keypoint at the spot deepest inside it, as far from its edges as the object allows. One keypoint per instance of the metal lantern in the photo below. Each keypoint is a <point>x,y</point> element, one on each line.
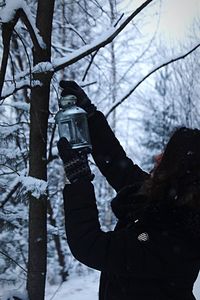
<point>72,123</point>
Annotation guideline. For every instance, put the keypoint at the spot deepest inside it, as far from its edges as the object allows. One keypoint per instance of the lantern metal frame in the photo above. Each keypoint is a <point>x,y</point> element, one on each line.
<point>72,123</point>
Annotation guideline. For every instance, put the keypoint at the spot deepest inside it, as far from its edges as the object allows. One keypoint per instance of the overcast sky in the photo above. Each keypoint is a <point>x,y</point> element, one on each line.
<point>176,19</point>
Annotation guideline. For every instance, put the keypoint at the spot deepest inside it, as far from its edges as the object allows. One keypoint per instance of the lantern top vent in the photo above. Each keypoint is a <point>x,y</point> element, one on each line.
<point>67,101</point>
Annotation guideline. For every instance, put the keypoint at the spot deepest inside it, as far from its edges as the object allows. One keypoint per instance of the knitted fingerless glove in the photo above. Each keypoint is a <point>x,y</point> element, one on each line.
<point>75,162</point>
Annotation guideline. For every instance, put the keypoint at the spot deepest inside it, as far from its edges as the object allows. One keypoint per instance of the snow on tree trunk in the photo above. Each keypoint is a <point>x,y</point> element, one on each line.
<point>39,113</point>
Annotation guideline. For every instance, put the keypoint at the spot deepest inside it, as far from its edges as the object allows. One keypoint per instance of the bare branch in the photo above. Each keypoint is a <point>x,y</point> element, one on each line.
<point>29,61</point>
<point>148,75</point>
<point>50,155</point>
<point>16,88</point>
<point>10,258</point>
<point>30,29</point>
<point>89,65</point>
<point>96,52</point>
<point>87,49</point>
<point>7,29</point>
<point>14,189</point>
<point>95,46</point>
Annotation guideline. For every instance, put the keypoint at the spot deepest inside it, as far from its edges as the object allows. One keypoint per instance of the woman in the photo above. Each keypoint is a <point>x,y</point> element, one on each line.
<point>154,252</point>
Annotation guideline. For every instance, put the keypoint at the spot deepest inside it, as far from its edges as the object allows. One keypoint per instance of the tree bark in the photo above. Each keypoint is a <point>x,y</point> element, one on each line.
<point>61,258</point>
<point>39,113</point>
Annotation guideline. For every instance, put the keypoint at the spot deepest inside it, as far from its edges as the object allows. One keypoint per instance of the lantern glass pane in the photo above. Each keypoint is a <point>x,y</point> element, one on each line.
<point>66,130</point>
<point>81,130</point>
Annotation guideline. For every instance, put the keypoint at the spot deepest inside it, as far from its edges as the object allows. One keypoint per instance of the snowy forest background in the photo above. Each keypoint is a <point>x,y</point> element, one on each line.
<point>139,63</point>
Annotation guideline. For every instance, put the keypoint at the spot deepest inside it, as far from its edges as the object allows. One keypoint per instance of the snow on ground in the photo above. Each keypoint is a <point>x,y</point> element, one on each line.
<point>86,288</point>
<point>76,288</point>
<point>197,288</point>
<point>83,287</point>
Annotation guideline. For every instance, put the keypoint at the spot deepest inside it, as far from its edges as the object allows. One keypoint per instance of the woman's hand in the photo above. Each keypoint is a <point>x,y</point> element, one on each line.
<point>75,162</point>
<point>72,88</point>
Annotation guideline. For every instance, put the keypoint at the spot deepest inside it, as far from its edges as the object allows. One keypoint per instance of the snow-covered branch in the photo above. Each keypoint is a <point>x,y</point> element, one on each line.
<point>36,187</point>
<point>98,43</point>
<point>19,86</point>
<point>20,9</point>
<point>103,40</point>
<point>9,16</point>
<point>155,69</point>
<point>28,184</point>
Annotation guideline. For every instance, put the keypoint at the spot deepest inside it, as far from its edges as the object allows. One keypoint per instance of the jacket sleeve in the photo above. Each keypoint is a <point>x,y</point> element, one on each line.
<point>109,155</point>
<point>118,252</point>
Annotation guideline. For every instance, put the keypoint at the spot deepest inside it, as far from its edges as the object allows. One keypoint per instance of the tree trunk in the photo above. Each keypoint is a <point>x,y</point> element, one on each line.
<point>39,113</point>
<point>61,258</point>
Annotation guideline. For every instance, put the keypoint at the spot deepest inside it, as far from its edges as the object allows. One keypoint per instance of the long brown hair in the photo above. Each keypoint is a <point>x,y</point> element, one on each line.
<point>177,177</point>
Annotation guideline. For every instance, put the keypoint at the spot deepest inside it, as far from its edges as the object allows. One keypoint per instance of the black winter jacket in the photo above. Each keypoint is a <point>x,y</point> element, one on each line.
<point>154,258</point>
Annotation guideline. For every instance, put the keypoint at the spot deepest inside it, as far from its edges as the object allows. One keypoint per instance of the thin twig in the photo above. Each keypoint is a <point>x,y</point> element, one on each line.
<point>117,22</point>
<point>14,189</point>
<point>89,65</point>
<point>104,42</point>
<point>148,75</point>
<point>88,84</point>
<point>50,155</point>
<point>13,261</point>
<point>56,291</point>
<point>91,48</point>
<point>12,69</point>
<point>29,61</point>
<point>95,53</point>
